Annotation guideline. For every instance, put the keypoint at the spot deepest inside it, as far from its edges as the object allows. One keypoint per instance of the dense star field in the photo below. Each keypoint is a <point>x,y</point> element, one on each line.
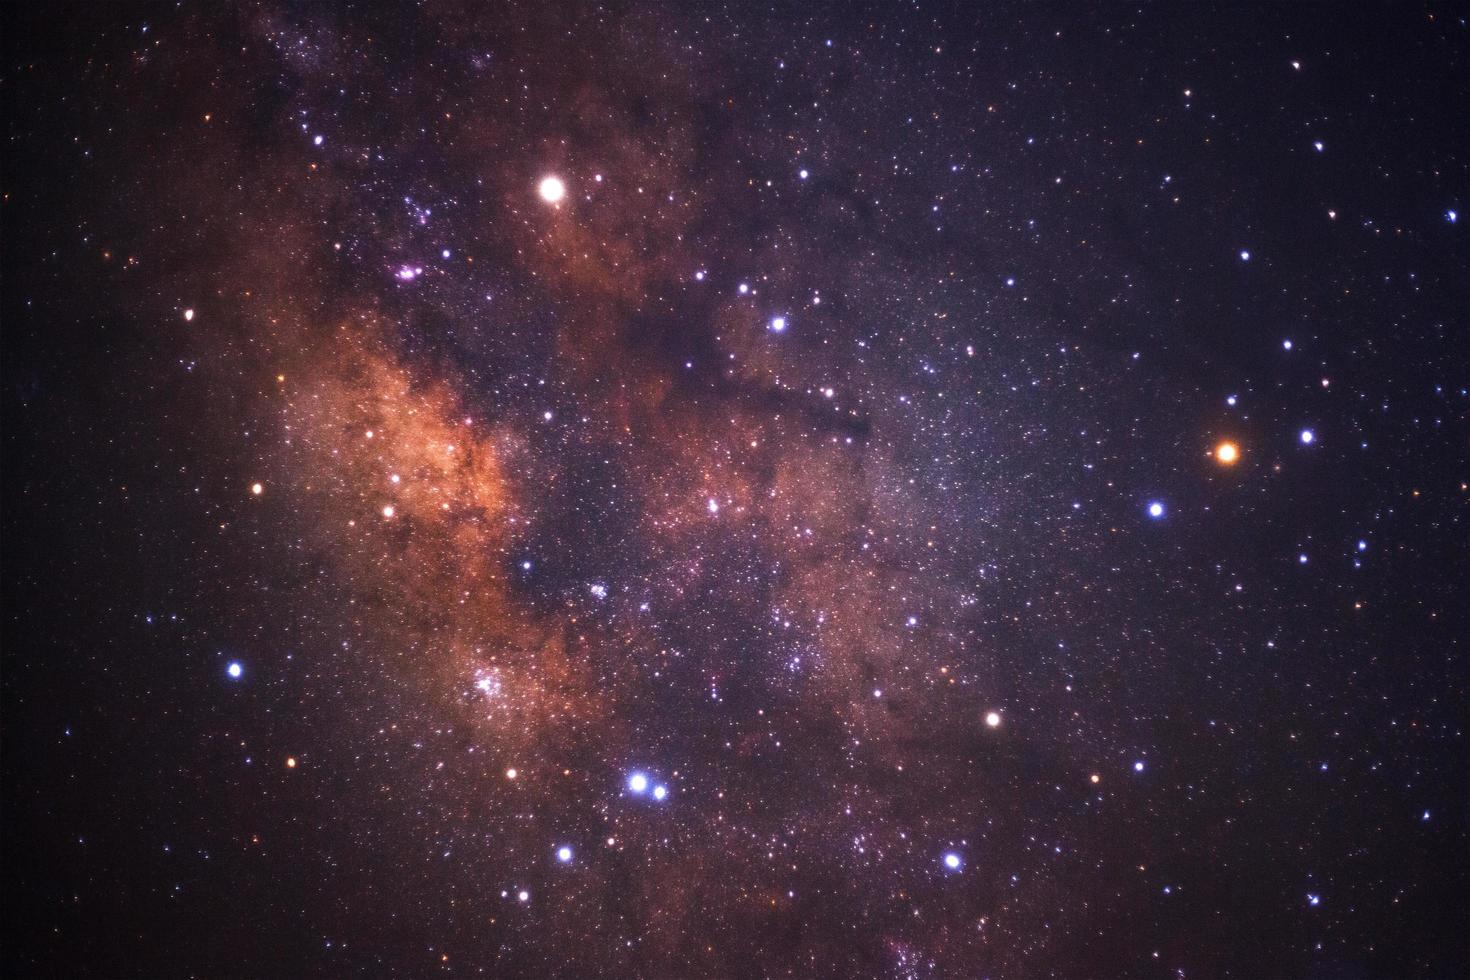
<point>903,490</point>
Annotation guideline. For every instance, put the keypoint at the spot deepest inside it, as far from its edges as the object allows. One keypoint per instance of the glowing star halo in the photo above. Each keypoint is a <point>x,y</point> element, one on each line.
<point>552,189</point>
<point>1227,453</point>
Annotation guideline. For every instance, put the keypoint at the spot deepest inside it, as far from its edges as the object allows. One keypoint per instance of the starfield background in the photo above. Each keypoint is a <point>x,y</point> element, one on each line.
<point>735,490</point>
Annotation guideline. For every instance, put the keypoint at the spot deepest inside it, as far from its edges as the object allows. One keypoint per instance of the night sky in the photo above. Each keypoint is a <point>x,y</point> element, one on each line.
<point>734,490</point>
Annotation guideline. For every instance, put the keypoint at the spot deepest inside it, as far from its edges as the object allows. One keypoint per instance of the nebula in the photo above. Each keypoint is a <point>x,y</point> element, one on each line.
<point>685,491</point>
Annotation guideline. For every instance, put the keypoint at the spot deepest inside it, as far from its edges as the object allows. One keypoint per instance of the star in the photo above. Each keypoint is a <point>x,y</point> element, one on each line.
<point>992,719</point>
<point>1156,509</point>
<point>551,189</point>
<point>638,782</point>
<point>1307,437</point>
<point>952,861</point>
<point>235,669</point>
<point>564,854</point>
<point>1227,453</point>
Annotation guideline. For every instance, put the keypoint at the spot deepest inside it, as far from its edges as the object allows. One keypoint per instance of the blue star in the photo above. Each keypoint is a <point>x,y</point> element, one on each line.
<point>638,782</point>
<point>235,670</point>
<point>564,854</point>
<point>952,861</point>
<point>1155,509</point>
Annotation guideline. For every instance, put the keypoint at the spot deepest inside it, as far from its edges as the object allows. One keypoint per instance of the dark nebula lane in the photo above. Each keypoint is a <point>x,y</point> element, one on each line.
<point>704,490</point>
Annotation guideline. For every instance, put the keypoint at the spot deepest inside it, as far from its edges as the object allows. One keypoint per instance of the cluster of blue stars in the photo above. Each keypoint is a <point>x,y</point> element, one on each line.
<point>639,784</point>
